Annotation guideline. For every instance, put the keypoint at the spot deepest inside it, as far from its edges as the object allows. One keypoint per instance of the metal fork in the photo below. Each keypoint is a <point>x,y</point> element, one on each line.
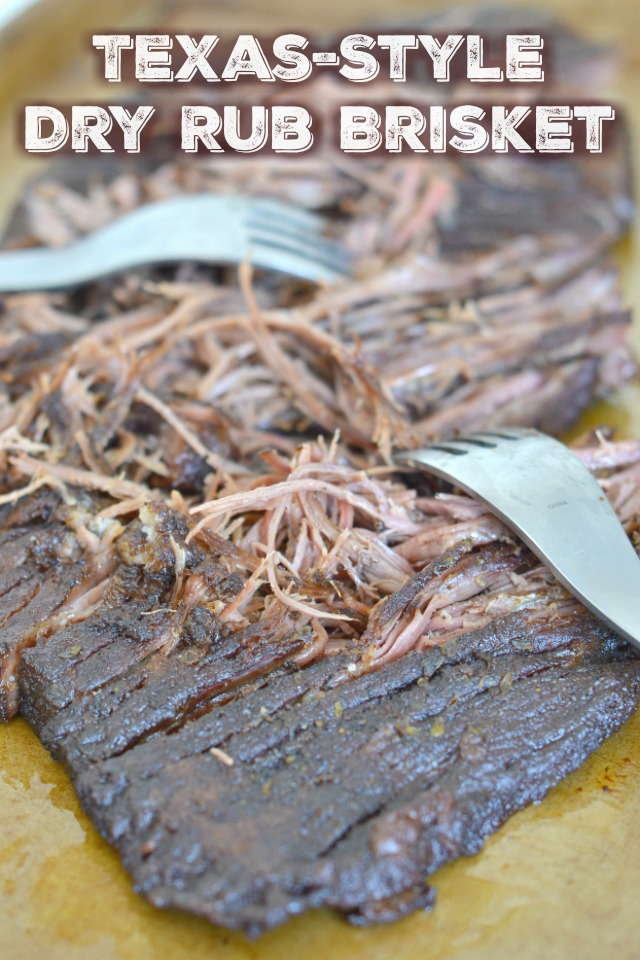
<point>200,227</point>
<point>546,495</point>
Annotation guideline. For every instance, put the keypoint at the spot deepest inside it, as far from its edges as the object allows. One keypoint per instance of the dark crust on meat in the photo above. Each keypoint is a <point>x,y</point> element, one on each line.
<point>343,792</point>
<point>241,787</point>
<point>40,568</point>
<point>353,805</point>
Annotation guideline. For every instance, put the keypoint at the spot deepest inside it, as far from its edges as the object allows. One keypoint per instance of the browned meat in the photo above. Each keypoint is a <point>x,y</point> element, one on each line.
<point>246,777</point>
<point>351,795</point>
<point>44,580</point>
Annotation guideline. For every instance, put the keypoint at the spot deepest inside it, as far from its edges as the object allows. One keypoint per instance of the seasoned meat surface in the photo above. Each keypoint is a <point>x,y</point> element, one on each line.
<point>246,778</point>
<point>350,795</point>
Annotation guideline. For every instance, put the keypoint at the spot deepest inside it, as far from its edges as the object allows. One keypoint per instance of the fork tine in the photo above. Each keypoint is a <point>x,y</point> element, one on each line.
<point>302,249</point>
<point>272,233</point>
<point>476,440</point>
<point>288,260</point>
<point>285,214</point>
<point>500,434</point>
<point>446,448</point>
<point>460,445</point>
<point>465,444</point>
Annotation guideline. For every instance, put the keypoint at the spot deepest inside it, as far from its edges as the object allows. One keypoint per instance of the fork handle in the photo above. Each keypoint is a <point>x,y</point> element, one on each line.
<point>139,238</point>
<point>46,269</point>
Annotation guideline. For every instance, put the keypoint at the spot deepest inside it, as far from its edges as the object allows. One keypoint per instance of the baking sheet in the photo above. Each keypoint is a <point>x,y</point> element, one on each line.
<point>558,881</point>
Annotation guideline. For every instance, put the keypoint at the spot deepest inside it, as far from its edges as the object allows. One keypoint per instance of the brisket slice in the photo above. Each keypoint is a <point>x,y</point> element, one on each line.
<point>242,786</point>
<point>349,792</point>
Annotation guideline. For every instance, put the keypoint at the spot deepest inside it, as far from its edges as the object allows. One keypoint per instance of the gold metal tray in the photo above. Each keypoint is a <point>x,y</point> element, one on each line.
<point>560,880</point>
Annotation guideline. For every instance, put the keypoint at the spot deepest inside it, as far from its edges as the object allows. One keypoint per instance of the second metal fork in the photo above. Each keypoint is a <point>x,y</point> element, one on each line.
<point>546,495</point>
<point>202,227</point>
